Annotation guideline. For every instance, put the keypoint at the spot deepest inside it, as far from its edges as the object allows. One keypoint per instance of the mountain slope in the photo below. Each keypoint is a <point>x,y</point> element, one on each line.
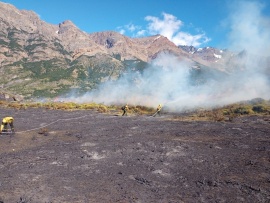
<point>41,59</point>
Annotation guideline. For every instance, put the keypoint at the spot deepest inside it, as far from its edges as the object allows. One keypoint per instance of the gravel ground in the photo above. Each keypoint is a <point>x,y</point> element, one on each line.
<point>84,156</point>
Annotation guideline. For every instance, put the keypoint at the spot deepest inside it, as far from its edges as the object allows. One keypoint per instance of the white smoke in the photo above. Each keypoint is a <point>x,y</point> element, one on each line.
<point>164,80</point>
<point>250,29</point>
<point>167,80</point>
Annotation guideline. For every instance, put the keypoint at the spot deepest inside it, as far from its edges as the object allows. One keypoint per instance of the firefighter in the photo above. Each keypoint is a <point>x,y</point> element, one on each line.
<point>124,109</point>
<point>158,110</point>
<point>5,122</point>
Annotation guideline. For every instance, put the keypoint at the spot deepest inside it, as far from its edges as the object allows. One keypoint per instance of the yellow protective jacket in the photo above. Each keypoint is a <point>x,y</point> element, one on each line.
<point>6,120</point>
<point>125,108</point>
<point>159,107</point>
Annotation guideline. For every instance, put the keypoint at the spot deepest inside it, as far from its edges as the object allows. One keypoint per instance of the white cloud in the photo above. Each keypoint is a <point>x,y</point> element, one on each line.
<point>141,33</point>
<point>131,27</point>
<point>122,31</point>
<point>170,26</point>
<point>166,27</point>
<point>183,38</point>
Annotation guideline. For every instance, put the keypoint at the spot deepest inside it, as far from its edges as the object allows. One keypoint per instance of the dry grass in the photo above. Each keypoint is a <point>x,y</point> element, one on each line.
<point>229,112</point>
<point>141,110</point>
<point>226,113</point>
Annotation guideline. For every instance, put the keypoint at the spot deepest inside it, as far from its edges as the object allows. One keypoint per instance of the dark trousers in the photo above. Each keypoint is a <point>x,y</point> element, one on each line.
<point>5,129</point>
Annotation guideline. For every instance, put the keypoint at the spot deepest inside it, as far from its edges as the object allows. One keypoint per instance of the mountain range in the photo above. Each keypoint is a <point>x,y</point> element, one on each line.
<point>38,59</point>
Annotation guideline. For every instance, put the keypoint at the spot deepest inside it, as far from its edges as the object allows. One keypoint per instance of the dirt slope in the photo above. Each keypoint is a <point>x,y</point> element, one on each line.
<point>109,158</point>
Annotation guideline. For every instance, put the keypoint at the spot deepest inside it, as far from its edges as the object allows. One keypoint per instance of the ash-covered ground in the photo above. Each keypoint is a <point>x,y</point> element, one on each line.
<point>92,157</point>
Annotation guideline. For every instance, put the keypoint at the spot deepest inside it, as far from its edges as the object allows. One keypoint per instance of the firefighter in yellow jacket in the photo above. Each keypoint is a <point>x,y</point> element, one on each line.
<point>125,109</point>
<point>158,110</point>
<point>5,122</point>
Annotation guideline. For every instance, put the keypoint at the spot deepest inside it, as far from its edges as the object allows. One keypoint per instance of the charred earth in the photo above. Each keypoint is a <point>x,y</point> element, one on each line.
<point>85,156</point>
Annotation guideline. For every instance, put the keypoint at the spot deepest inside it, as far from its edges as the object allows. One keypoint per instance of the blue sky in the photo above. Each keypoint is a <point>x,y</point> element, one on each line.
<point>199,23</point>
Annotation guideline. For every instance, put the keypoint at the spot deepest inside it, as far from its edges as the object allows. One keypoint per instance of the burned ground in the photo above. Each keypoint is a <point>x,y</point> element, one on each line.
<point>92,157</point>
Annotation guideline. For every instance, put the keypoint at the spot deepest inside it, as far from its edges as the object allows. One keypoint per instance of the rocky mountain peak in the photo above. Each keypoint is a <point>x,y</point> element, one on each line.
<point>188,49</point>
<point>12,18</point>
<point>7,6</point>
<point>38,52</point>
<point>107,38</point>
<point>66,26</point>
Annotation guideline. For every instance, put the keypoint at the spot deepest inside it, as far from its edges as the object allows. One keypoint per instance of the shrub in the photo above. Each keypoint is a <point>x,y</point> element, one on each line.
<point>217,115</point>
<point>102,109</point>
<point>16,105</point>
<point>243,110</point>
<point>90,106</point>
<point>259,109</point>
<point>142,109</point>
<point>35,105</point>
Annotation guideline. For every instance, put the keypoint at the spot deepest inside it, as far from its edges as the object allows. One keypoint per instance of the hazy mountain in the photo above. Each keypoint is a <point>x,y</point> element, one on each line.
<point>41,59</point>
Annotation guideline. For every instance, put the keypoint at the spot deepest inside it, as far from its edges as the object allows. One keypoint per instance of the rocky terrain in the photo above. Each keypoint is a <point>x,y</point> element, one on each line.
<point>35,40</point>
<point>84,156</point>
<point>38,59</point>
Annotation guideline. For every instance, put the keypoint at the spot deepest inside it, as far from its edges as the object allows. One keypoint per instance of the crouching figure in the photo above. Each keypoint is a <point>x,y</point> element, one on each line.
<point>5,122</point>
<point>124,109</point>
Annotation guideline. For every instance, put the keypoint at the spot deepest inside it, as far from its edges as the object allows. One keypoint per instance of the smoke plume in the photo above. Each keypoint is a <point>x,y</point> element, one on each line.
<point>168,81</point>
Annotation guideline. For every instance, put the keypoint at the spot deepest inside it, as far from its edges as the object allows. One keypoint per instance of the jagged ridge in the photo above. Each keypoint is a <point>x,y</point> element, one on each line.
<point>41,59</point>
